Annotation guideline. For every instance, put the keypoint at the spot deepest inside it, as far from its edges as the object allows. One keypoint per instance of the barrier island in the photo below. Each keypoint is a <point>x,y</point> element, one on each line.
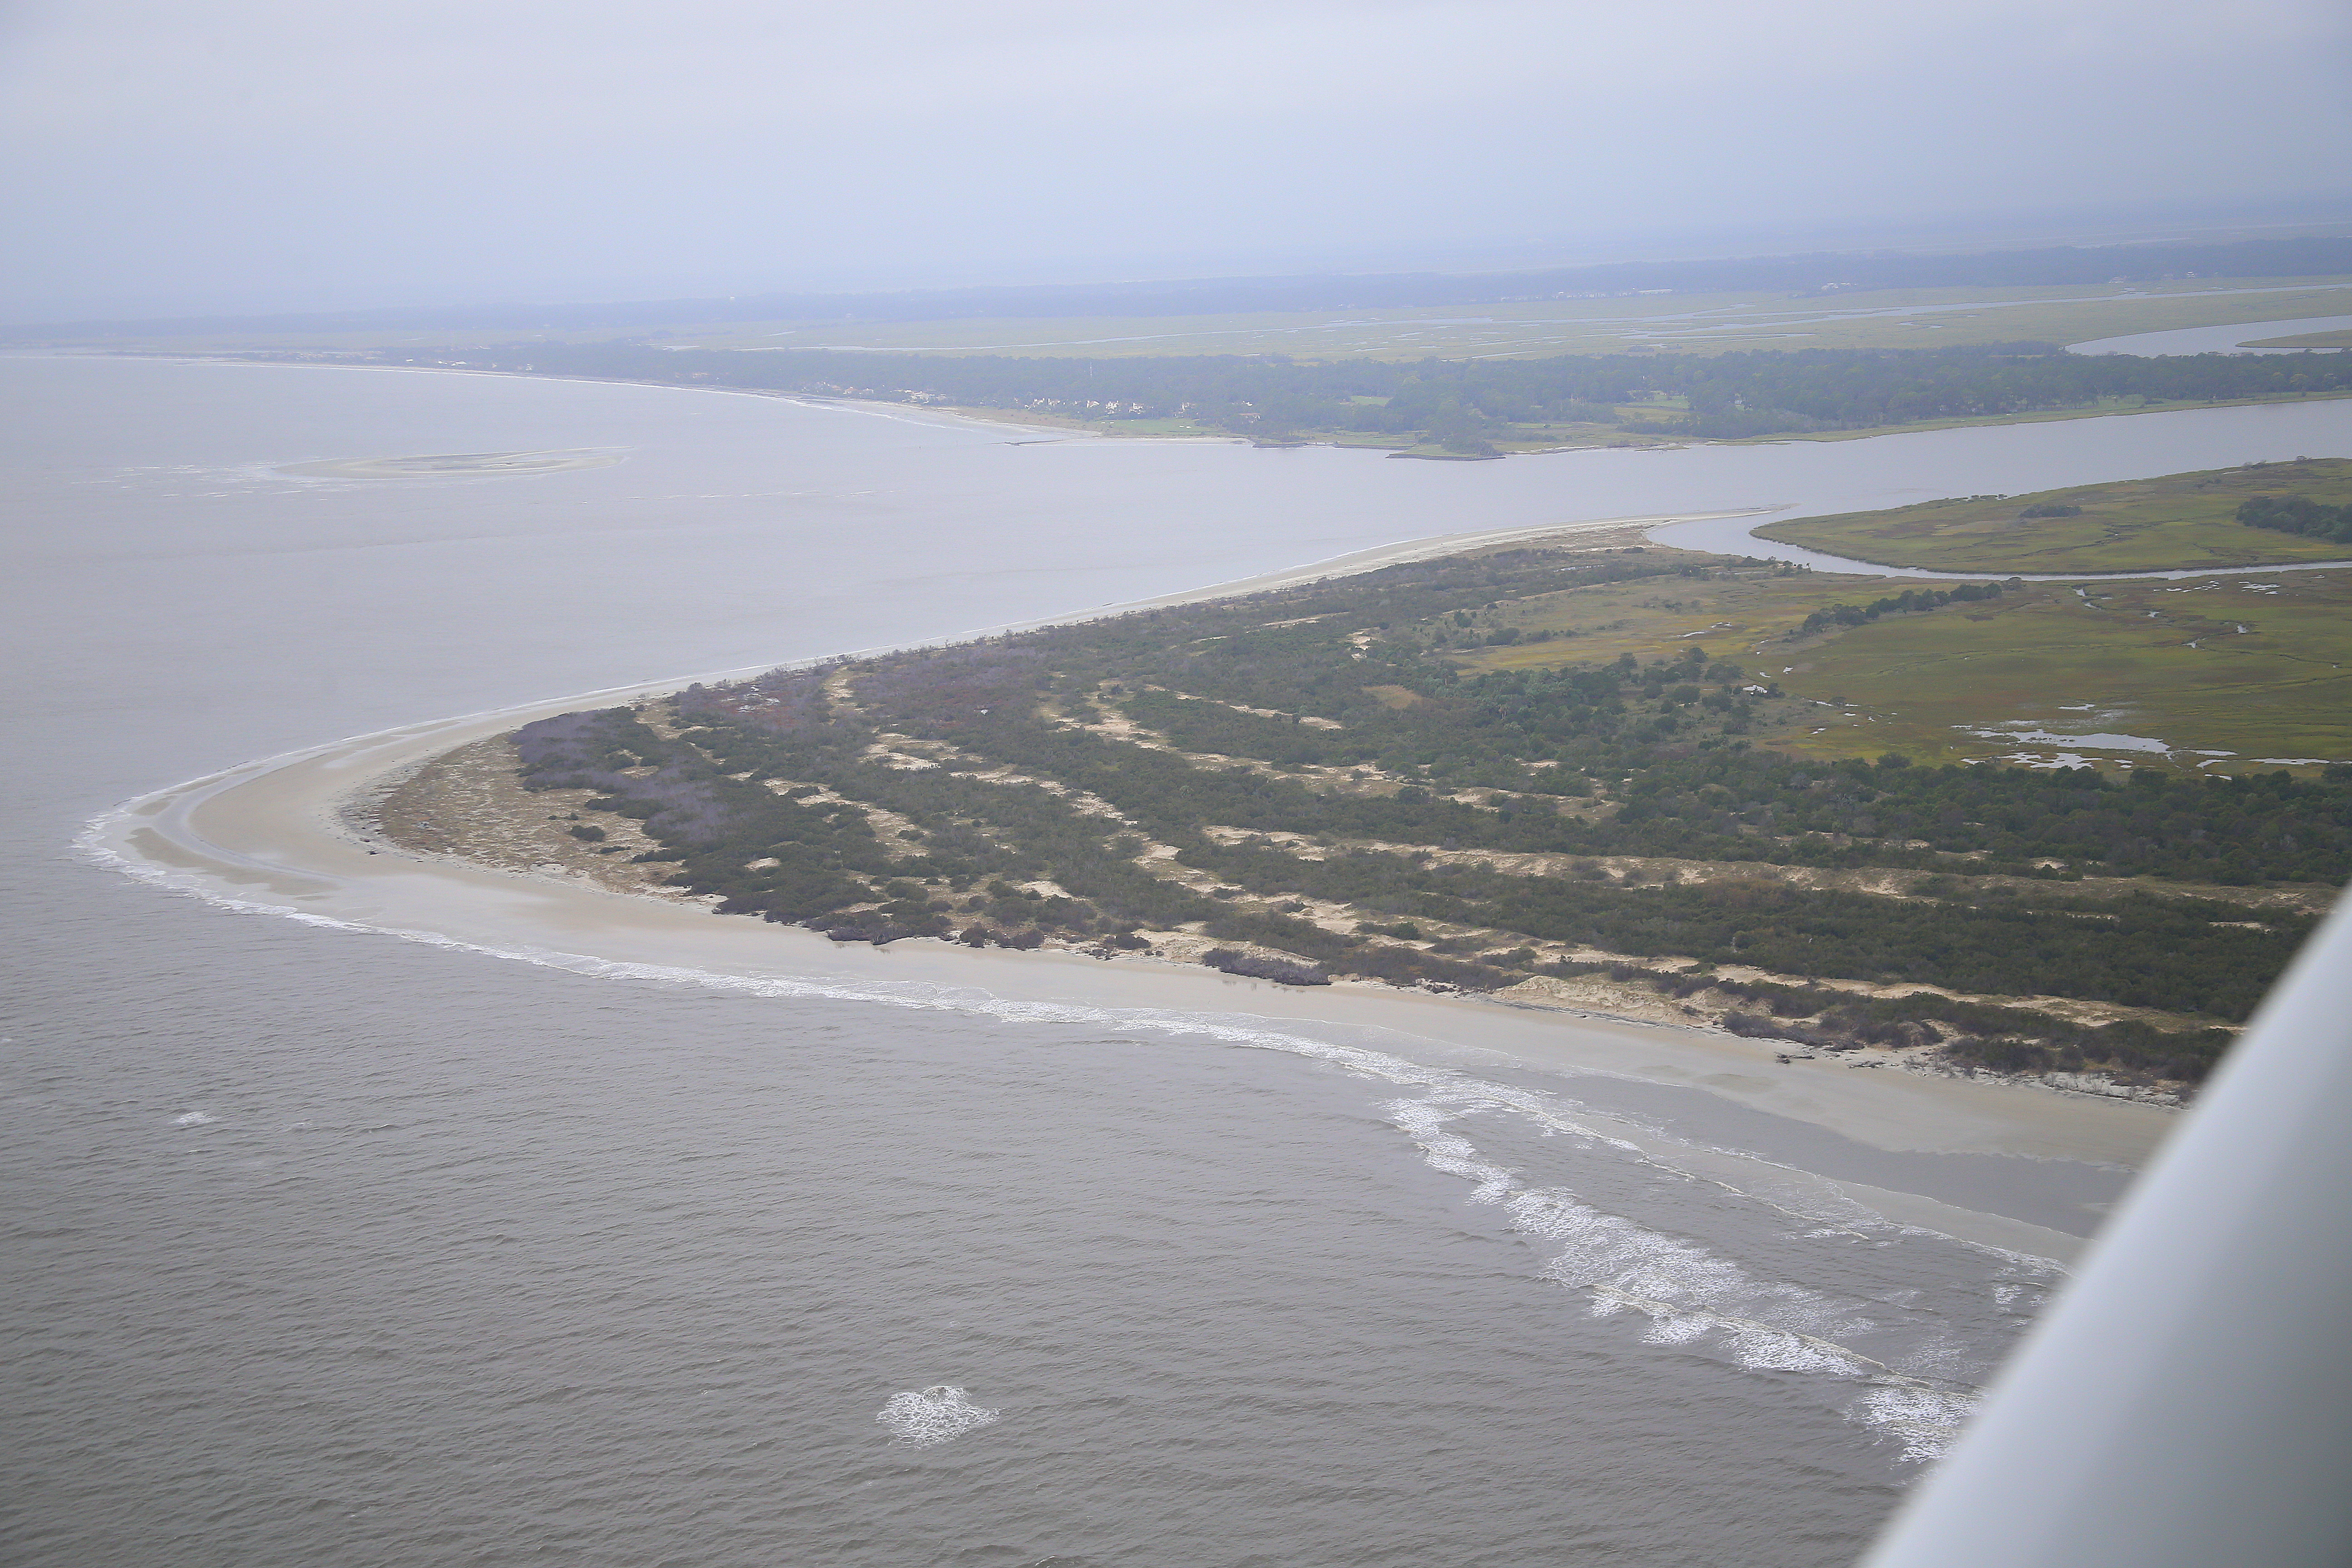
<point>1515,772</point>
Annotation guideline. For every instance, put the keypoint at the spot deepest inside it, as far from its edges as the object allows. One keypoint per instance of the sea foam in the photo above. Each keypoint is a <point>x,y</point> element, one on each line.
<point>919,1419</point>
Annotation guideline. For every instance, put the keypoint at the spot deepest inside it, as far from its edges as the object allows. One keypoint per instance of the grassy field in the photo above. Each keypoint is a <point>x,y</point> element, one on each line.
<point>1685,323</point>
<point>2161,670</point>
<point>1688,323</point>
<point>2179,520</point>
<point>2101,409</point>
<point>2337,339</point>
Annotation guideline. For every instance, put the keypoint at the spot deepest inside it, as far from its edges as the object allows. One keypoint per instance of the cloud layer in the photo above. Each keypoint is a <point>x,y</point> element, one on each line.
<point>256,155</point>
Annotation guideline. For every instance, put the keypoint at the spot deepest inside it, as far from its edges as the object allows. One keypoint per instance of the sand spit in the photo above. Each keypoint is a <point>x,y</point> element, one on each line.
<point>469,807</point>
<point>422,833</point>
<point>287,836</point>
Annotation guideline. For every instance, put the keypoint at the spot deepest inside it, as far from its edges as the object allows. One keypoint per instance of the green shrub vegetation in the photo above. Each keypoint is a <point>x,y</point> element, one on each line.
<point>1331,793</point>
<point>2297,514</point>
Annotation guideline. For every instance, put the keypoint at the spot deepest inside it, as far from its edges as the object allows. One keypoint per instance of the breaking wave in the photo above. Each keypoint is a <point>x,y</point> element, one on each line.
<point>1682,1292</point>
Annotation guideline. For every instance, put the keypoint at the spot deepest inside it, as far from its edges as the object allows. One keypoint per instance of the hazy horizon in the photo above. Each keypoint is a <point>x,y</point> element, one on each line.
<point>260,157</point>
<point>2012,232</point>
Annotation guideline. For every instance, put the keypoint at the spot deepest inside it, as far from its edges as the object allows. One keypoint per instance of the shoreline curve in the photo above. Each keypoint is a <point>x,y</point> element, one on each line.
<point>272,837</point>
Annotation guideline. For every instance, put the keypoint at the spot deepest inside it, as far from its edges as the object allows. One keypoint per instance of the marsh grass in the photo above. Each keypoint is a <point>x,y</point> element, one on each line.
<point>2161,659</point>
<point>1681,323</point>
<point>2164,660</point>
<point>2177,521</point>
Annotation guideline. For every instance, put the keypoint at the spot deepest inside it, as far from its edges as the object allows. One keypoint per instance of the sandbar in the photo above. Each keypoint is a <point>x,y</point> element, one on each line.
<point>448,464</point>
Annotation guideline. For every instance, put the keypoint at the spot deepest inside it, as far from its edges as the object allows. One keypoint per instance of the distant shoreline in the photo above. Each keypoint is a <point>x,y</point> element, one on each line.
<point>1110,430</point>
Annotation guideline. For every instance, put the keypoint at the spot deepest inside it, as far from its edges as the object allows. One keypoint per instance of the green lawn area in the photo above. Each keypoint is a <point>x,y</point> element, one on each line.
<point>2164,660</point>
<point>2179,520</point>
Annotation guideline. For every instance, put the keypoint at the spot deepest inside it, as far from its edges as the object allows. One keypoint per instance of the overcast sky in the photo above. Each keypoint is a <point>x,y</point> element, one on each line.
<point>172,155</point>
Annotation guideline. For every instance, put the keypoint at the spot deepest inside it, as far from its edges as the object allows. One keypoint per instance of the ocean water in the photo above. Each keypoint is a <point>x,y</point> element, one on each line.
<point>325,1248</point>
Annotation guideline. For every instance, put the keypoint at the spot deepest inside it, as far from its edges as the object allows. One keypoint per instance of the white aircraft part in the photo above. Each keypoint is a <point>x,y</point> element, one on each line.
<point>2186,1401</point>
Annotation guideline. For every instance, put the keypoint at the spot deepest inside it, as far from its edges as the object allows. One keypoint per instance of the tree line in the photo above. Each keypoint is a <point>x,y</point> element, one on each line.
<point>1904,602</point>
<point>1475,401</point>
<point>2297,514</point>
